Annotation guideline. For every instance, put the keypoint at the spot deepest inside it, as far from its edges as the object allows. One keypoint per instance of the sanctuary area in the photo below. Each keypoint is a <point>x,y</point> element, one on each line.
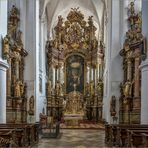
<point>73,73</point>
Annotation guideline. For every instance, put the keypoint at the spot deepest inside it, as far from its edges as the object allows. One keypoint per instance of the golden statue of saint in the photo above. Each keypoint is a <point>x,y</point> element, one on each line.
<point>127,88</point>
<point>21,88</point>
<point>17,92</point>
<point>6,46</point>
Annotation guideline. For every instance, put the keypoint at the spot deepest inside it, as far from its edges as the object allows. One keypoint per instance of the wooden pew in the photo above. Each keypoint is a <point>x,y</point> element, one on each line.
<point>107,131</point>
<point>122,134</point>
<point>116,134</point>
<point>135,137</point>
<point>19,135</point>
<point>27,134</point>
<point>7,138</point>
<point>145,139</point>
<point>31,133</point>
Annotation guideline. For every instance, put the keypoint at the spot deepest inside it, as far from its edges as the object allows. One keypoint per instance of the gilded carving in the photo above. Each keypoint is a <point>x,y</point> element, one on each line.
<point>127,89</point>
<point>100,88</point>
<point>6,47</point>
<point>17,92</point>
<point>75,34</point>
<point>13,20</point>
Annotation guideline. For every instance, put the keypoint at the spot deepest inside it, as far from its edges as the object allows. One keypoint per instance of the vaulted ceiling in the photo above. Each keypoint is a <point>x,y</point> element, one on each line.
<point>51,9</point>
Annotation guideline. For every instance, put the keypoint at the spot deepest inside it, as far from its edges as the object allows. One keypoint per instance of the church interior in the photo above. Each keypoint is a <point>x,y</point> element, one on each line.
<point>73,73</point>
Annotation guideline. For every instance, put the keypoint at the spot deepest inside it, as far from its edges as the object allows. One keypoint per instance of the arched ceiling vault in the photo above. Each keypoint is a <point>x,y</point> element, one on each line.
<point>51,9</point>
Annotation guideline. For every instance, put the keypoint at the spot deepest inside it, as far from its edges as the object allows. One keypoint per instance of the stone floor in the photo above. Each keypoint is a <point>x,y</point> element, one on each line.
<point>75,138</point>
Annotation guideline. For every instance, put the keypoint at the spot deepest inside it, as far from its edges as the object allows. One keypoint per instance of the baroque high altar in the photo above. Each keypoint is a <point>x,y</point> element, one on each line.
<point>74,67</point>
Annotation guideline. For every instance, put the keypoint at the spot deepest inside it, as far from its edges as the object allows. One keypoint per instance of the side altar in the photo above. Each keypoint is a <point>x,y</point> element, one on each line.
<point>74,109</point>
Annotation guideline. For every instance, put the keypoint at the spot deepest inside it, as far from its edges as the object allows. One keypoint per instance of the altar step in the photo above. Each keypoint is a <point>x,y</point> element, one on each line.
<point>83,126</point>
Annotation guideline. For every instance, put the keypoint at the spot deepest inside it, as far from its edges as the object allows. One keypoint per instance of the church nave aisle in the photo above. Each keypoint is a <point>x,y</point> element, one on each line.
<point>75,139</point>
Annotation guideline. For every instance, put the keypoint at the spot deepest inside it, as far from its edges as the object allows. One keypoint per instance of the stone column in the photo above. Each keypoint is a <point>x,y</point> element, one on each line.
<point>99,71</point>
<point>9,78</point>
<point>53,80</point>
<point>94,76</point>
<point>3,64</point>
<point>59,73</point>
<point>144,92</point>
<point>17,68</point>
<point>3,68</point>
<point>56,74</point>
<point>144,68</point>
<point>88,74</point>
<point>62,75</point>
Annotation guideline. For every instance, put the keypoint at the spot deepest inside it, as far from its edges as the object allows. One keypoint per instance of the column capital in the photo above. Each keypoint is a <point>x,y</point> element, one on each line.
<point>144,65</point>
<point>3,64</point>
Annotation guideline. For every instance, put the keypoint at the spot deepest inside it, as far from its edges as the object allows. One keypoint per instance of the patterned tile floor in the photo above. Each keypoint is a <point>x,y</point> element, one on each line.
<point>75,138</point>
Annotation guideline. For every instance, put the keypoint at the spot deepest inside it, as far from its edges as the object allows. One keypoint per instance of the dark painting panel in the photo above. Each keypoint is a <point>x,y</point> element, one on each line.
<point>75,73</point>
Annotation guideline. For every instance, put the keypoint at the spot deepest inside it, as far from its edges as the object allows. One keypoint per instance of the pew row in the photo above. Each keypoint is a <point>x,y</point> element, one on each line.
<point>25,134</point>
<point>7,138</point>
<point>122,135</point>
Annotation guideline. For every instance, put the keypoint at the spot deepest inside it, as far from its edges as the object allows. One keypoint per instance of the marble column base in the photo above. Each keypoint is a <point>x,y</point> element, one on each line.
<point>3,68</point>
<point>144,92</point>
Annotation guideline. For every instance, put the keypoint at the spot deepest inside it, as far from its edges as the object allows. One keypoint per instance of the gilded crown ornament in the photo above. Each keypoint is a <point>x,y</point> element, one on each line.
<point>73,35</point>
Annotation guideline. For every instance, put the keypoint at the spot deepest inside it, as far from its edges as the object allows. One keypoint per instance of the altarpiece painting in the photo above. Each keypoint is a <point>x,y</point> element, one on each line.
<point>74,73</point>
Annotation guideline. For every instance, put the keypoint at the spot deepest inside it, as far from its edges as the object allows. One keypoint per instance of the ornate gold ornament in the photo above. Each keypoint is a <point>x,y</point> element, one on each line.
<point>13,20</point>
<point>134,34</point>
<point>74,35</point>
<point>6,47</point>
